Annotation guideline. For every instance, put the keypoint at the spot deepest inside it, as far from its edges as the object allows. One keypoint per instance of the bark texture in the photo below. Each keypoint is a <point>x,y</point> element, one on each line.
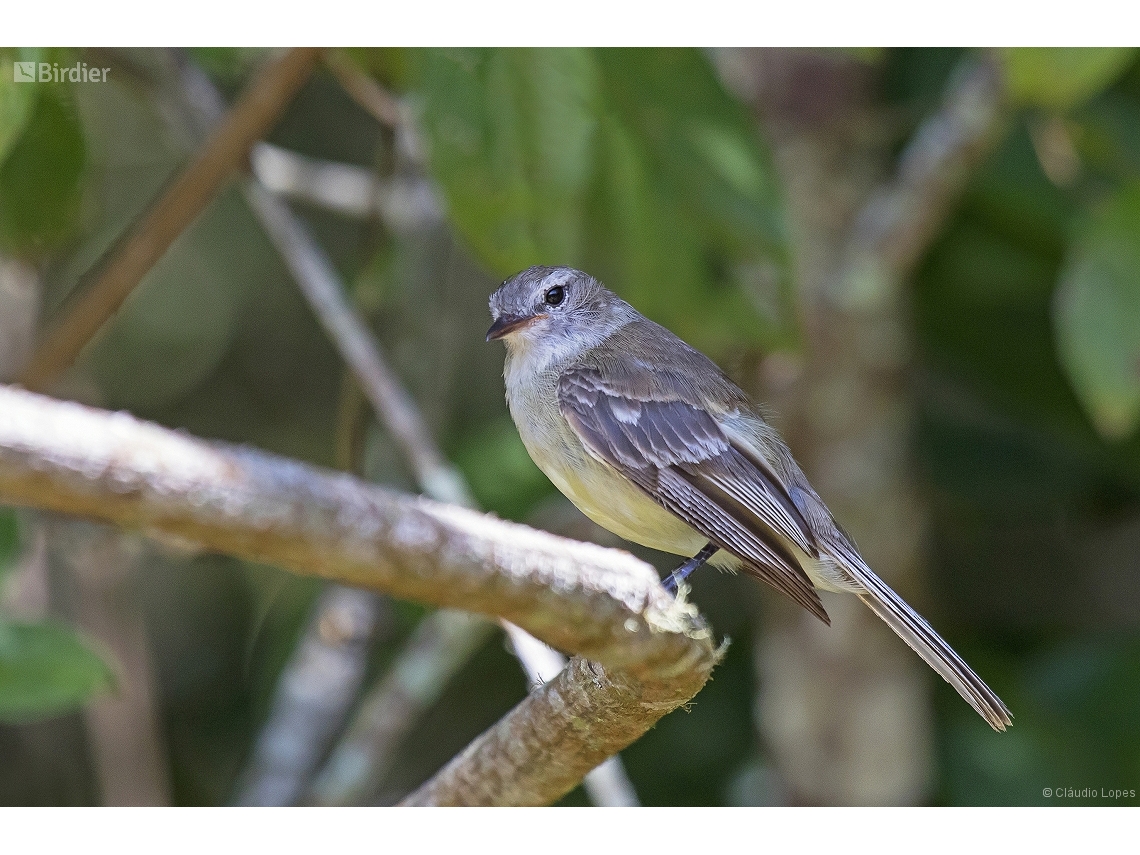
<point>651,653</point>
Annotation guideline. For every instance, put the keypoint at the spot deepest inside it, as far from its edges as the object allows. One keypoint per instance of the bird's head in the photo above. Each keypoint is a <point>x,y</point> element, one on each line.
<point>551,304</point>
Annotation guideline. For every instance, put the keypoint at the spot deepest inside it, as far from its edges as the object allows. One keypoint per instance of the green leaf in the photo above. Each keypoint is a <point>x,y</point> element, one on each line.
<point>634,165</point>
<point>46,670</point>
<point>1097,314</point>
<point>9,539</point>
<point>16,99</point>
<point>1061,78</point>
<point>40,187</point>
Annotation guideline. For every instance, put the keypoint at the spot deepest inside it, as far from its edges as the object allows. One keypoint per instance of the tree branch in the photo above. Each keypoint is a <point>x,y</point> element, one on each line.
<point>440,646</point>
<point>138,250</point>
<point>405,203</point>
<point>654,652</point>
<point>366,92</point>
<point>280,762</point>
<point>313,695</point>
<point>321,286</point>
<point>570,722</point>
<point>397,411</point>
<point>896,225</point>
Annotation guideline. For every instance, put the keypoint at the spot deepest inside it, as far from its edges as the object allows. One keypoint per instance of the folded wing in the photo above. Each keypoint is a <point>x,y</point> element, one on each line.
<point>678,455</point>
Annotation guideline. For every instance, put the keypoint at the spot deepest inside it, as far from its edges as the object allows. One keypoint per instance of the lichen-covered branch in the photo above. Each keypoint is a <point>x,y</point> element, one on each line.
<point>570,722</point>
<point>595,602</point>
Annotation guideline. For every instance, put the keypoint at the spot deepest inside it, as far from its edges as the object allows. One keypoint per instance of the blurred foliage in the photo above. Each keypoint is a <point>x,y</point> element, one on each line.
<point>9,540</point>
<point>633,164</point>
<point>42,160</point>
<point>46,670</point>
<point>1022,312</point>
<point>1060,78</point>
<point>640,167</point>
<point>1098,313</point>
<point>15,100</point>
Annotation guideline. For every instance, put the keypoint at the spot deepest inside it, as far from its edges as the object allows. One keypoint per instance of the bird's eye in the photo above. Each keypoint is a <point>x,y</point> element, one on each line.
<point>554,296</point>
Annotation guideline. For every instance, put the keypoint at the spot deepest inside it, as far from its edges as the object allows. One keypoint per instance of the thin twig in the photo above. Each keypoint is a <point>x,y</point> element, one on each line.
<point>321,286</point>
<point>366,92</point>
<point>406,204</point>
<point>19,308</point>
<point>652,653</point>
<point>138,250</point>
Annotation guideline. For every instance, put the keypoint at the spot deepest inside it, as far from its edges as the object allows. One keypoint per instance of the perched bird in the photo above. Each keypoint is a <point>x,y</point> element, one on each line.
<point>653,442</point>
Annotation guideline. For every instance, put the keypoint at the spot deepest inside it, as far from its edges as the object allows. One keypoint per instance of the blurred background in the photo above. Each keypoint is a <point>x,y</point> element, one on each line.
<point>926,262</point>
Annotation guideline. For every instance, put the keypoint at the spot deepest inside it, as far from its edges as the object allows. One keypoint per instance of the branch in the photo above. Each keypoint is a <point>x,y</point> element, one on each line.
<point>138,250</point>
<point>369,95</point>
<point>321,286</point>
<point>406,204</point>
<point>897,224</point>
<point>654,653</point>
<point>440,646</point>
<point>19,307</point>
<point>609,706</point>
<point>312,696</point>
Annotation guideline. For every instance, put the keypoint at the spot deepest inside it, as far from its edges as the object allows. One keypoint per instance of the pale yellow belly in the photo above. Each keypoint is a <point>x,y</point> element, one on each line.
<point>595,488</point>
<point>616,504</point>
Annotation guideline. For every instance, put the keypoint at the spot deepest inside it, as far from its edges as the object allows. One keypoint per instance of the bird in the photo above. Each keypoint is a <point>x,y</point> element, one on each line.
<point>652,441</point>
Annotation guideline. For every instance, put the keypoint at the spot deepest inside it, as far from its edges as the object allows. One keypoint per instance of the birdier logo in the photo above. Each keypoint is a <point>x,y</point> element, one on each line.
<point>53,72</point>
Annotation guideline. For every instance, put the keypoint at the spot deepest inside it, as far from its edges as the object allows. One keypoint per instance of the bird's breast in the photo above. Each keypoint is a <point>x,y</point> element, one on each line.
<point>598,490</point>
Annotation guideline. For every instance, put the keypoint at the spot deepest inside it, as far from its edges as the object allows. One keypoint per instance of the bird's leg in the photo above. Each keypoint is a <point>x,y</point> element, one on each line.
<point>685,570</point>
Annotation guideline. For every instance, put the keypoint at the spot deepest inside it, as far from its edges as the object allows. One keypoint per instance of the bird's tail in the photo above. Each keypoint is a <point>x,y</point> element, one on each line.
<point>915,631</point>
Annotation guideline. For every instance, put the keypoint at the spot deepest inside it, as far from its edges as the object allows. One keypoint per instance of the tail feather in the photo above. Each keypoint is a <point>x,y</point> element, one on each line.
<point>915,631</point>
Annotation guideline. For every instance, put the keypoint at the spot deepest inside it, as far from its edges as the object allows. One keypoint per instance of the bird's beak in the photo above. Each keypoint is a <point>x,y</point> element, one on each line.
<point>507,324</point>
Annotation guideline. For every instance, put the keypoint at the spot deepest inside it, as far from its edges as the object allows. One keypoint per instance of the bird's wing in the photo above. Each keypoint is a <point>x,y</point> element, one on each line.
<point>654,434</point>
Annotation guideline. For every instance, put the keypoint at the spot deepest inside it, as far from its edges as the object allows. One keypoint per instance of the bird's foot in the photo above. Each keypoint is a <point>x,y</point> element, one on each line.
<point>674,579</point>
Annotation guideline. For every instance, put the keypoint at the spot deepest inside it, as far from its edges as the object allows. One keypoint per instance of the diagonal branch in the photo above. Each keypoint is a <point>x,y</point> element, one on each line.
<point>285,753</point>
<point>397,411</point>
<point>902,217</point>
<point>364,90</point>
<point>654,653</point>
<point>137,251</point>
<point>608,705</point>
<point>321,286</point>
